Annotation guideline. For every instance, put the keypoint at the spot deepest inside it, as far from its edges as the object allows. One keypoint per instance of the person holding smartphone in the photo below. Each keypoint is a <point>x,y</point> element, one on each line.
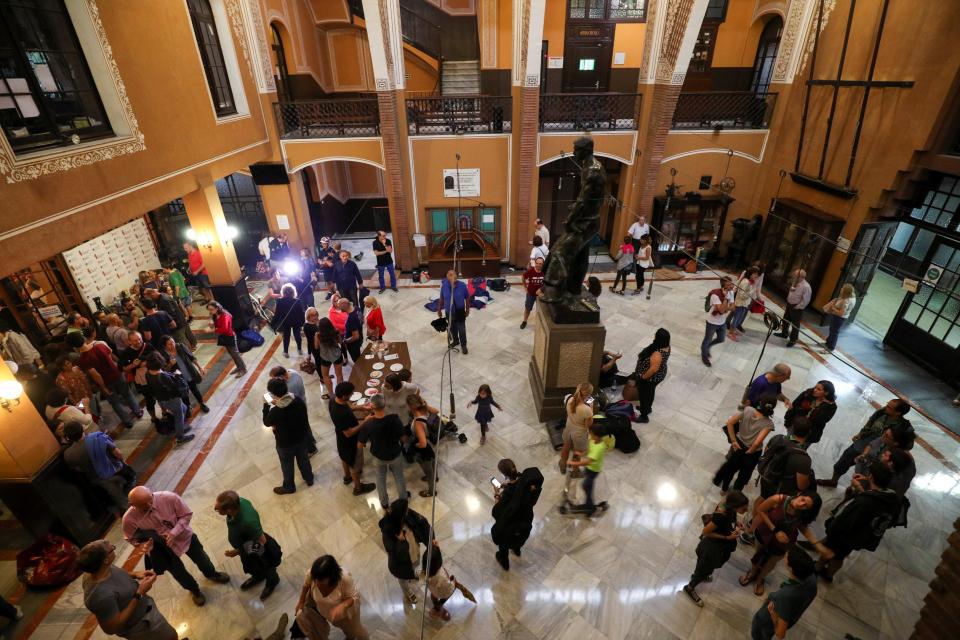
<point>515,499</point>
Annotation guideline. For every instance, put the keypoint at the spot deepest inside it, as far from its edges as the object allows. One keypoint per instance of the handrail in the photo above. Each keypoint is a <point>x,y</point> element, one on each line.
<point>724,110</point>
<point>596,111</point>
<point>329,118</point>
<point>459,114</point>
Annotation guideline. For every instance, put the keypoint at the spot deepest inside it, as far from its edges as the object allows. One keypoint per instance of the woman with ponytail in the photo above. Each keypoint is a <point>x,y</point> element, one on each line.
<point>579,419</point>
<point>718,541</point>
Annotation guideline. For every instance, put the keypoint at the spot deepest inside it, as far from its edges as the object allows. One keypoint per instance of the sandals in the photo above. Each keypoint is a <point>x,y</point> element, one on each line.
<point>758,588</point>
<point>745,579</point>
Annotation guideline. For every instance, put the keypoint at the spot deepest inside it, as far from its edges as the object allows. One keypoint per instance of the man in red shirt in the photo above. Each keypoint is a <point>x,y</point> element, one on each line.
<point>198,271</point>
<point>96,360</point>
<point>533,280</point>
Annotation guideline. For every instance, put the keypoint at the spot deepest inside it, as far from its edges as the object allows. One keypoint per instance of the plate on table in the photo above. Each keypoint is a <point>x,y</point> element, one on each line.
<point>376,374</point>
<point>378,365</point>
<point>373,383</point>
<point>355,396</point>
<point>396,367</point>
<point>371,392</point>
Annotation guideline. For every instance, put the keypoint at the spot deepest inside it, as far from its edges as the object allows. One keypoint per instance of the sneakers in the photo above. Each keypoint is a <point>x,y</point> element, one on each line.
<point>185,439</point>
<point>204,408</point>
<point>733,336</point>
<point>198,598</point>
<point>268,589</point>
<point>746,538</point>
<point>394,289</point>
<point>693,595</point>
<point>706,361</point>
<point>381,291</point>
<point>365,487</point>
<point>523,325</point>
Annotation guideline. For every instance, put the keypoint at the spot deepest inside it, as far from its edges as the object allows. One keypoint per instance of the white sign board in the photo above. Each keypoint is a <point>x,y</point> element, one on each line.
<point>419,240</point>
<point>555,62</point>
<point>910,285</point>
<point>283,222</point>
<point>468,184</point>
<point>620,57</point>
<point>103,266</point>
<point>843,244</point>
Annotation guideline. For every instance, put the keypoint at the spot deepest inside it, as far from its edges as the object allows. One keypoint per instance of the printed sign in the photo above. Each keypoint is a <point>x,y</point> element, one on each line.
<point>419,240</point>
<point>933,274</point>
<point>468,184</point>
<point>910,285</point>
<point>283,222</point>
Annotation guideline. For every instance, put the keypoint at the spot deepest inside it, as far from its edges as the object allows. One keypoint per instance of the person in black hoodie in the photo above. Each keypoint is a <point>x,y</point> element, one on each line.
<point>859,523</point>
<point>289,318</point>
<point>403,530</point>
<point>513,510</point>
<point>818,404</point>
<point>287,416</point>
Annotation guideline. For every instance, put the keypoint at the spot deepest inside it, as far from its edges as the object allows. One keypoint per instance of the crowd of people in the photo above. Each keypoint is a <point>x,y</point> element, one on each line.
<point>147,350</point>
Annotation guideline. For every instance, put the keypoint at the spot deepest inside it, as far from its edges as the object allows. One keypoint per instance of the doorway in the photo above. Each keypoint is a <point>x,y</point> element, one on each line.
<point>558,188</point>
<point>586,58</point>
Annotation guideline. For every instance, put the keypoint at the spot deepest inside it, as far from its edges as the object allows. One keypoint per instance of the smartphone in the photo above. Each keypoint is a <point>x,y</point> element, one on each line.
<point>268,398</point>
<point>496,483</point>
<point>80,405</point>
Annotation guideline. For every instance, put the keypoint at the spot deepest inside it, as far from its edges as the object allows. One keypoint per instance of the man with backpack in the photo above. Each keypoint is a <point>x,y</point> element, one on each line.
<point>860,522</point>
<point>891,415</point>
<point>168,390</point>
<point>718,304</point>
<point>785,466</point>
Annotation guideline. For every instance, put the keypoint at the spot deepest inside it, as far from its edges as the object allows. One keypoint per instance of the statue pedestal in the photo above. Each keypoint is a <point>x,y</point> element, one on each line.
<point>564,355</point>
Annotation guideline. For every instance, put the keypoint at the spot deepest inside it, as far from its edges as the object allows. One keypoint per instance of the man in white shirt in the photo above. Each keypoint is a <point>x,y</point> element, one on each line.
<point>543,232</point>
<point>264,247</point>
<point>721,302</point>
<point>637,230</point>
<point>797,301</point>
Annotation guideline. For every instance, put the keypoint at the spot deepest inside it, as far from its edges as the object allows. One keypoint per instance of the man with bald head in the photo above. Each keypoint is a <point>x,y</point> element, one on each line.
<point>159,523</point>
<point>769,384</point>
<point>797,301</point>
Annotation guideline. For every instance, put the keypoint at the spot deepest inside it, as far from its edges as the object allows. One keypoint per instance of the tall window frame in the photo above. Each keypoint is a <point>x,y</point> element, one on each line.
<point>48,98</point>
<point>767,50</point>
<point>607,10</point>
<point>211,55</point>
<point>701,58</point>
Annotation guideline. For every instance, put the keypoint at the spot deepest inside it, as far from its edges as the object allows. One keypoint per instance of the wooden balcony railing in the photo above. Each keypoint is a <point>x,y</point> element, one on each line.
<point>329,118</point>
<point>594,111</point>
<point>724,110</point>
<point>459,114</point>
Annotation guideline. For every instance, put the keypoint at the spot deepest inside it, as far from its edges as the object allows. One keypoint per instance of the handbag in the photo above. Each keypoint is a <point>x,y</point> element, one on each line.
<point>440,324</point>
<point>758,306</point>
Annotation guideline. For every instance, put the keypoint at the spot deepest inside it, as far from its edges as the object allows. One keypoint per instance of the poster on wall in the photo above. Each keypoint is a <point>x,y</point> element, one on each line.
<point>109,263</point>
<point>467,186</point>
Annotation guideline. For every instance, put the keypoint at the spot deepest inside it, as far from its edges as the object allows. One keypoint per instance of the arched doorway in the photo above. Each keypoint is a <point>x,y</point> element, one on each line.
<point>279,59</point>
<point>766,55</point>
<point>346,198</point>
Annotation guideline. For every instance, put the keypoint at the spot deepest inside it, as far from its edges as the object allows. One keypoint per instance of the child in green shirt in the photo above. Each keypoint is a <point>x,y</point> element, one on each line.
<point>597,446</point>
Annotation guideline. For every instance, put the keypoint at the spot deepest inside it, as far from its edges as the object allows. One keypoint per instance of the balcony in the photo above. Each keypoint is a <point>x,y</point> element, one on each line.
<point>724,110</point>
<point>593,111</point>
<point>342,118</point>
<point>435,114</point>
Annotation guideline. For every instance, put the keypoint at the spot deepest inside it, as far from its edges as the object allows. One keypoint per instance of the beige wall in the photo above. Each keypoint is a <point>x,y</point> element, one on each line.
<point>628,37</point>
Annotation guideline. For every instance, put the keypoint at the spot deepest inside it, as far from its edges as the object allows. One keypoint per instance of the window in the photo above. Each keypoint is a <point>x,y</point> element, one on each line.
<point>941,204</point>
<point>587,64</point>
<point>766,55</point>
<point>619,10</point>
<point>47,96</point>
<point>716,10</point>
<point>205,29</point>
<point>703,50</point>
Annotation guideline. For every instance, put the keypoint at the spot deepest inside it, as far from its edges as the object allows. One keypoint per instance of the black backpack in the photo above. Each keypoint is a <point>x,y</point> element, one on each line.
<point>773,463</point>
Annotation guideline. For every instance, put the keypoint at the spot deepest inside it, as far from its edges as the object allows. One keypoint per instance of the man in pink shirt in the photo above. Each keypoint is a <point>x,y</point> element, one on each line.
<point>159,523</point>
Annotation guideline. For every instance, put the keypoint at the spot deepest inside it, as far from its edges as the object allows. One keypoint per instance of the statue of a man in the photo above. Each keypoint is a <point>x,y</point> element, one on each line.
<point>569,257</point>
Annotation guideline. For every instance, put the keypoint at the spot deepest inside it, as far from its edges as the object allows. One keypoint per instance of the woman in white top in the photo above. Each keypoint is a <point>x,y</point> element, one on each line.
<point>644,260</point>
<point>329,598</point>
<point>839,310</point>
<point>60,411</point>
<point>539,250</point>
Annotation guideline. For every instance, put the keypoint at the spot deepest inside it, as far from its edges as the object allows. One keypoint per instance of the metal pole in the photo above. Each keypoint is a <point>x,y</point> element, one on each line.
<point>806,99</point>
<point>836,89</point>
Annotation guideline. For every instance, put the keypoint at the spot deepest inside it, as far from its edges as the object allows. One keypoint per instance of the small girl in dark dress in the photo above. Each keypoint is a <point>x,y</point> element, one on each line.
<point>484,414</point>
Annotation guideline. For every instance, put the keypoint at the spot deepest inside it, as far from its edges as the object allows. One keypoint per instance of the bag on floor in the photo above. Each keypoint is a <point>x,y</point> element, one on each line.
<point>251,336</point>
<point>49,562</point>
<point>498,284</point>
<point>621,408</point>
<point>244,345</point>
<point>165,425</point>
<point>628,442</point>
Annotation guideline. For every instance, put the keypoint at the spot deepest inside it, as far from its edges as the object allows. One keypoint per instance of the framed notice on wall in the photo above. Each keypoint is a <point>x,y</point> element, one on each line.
<point>461,182</point>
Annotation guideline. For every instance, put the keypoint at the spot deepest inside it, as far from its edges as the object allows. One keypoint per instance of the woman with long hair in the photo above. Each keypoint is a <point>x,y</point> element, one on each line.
<point>222,323</point>
<point>311,324</point>
<point>839,310</point>
<point>328,347</point>
<point>651,370</point>
<point>576,433</point>
<point>289,318</point>
<point>179,358</point>
<point>421,446</point>
<point>818,404</point>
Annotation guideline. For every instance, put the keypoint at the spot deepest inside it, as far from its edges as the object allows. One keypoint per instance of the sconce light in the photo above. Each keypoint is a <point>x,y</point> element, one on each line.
<point>230,233</point>
<point>190,234</point>
<point>10,392</point>
<point>201,239</point>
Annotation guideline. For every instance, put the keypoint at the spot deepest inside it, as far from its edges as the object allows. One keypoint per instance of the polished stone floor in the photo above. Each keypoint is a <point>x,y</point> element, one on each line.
<point>615,577</point>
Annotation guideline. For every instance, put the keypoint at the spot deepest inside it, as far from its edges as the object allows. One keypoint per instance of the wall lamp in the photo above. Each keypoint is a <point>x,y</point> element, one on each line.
<point>230,234</point>
<point>10,392</point>
<point>203,238</point>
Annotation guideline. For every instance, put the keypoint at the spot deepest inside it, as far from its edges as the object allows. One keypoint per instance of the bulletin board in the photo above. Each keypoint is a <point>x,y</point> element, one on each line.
<point>109,263</point>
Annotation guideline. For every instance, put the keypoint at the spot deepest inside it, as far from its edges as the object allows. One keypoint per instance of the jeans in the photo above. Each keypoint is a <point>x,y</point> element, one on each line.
<point>396,467</point>
<point>718,330</point>
<point>836,323</point>
<point>739,315</point>
<point>200,558</point>
<point>458,332</point>
<point>178,410</point>
<point>848,458</point>
<point>123,401</point>
<point>590,478</point>
<point>230,344</point>
<point>297,338</point>
<point>393,276</point>
<point>791,315</point>
<point>297,452</point>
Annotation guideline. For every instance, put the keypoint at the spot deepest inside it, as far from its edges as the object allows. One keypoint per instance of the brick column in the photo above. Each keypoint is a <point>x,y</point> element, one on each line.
<point>393,130</point>
<point>664,99</point>
<point>938,617</point>
<point>525,164</point>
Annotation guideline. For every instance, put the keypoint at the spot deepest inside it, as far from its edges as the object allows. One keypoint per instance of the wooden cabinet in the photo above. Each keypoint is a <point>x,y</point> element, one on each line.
<point>686,225</point>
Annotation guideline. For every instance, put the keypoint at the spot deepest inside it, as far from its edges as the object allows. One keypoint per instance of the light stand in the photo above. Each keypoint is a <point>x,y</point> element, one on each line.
<point>772,321</point>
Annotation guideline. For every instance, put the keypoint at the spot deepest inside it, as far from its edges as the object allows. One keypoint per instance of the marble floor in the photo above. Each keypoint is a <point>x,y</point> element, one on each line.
<point>615,577</point>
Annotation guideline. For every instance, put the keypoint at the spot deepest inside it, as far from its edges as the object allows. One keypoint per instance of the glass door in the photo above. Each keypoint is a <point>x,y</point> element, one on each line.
<point>865,256</point>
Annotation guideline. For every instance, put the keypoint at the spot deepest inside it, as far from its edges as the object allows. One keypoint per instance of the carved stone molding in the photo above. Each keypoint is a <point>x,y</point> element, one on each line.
<point>235,15</point>
<point>675,23</point>
<point>648,51</point>
<point>488,34</point>
<point>259,30</point>
<point>70,158</point>
<point>828,7</point>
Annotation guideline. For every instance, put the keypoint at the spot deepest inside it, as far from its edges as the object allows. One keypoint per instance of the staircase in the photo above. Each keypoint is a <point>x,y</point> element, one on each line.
<point>460,77</point>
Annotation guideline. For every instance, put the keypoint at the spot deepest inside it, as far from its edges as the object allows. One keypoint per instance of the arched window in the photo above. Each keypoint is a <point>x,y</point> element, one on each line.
<point>766,55</point>
<point>205,29</point>
<point>280,64</point>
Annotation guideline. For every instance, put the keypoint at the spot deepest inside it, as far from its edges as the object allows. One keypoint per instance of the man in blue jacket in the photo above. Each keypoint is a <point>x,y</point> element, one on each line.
<point>346,275</point>
<point>455,300</point>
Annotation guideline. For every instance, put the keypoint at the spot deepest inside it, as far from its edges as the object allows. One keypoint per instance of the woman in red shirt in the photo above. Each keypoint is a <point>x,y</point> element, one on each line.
<point>375,326</point>
<point>222,323</point>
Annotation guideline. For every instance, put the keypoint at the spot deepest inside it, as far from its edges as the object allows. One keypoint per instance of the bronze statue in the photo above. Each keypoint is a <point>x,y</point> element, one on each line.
<point>569,257</point>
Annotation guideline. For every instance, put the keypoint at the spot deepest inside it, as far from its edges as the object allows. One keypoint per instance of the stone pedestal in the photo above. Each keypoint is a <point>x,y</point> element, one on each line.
<point>564,355</point>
